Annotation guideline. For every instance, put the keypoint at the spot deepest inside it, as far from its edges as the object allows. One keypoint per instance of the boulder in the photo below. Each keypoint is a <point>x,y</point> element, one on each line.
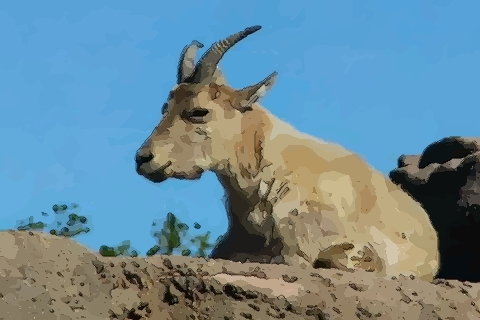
<point>445,180</point>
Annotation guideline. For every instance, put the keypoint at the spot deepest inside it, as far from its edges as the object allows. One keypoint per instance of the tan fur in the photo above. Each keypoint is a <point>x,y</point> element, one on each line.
<point>312,202</point>
<point>249,150</point>
<point>346,214</point>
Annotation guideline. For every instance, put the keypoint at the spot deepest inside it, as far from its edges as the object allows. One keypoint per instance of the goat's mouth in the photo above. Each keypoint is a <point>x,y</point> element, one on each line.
<point>164,172</point>
<point>193,174</point>
<point>156,175</point>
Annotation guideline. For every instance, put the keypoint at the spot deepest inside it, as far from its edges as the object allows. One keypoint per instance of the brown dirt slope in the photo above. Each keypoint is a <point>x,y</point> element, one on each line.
<point>46,277</point>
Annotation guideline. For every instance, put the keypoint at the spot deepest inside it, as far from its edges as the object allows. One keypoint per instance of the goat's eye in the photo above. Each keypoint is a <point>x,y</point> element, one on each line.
<point>164,108</point>
<point>197,114</point>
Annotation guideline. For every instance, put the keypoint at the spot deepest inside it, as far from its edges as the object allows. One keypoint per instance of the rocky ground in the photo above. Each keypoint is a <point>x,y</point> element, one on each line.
<point>47,277</point>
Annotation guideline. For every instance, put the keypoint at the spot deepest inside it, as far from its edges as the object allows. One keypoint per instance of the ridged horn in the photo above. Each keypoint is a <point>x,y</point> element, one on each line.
<point>206,66</point>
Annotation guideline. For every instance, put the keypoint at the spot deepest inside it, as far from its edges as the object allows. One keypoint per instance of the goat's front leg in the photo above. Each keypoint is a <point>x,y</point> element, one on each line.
<point>241,245</point>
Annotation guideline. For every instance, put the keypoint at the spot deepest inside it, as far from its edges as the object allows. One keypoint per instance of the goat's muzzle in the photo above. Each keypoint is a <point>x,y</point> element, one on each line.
<point>146,168</point>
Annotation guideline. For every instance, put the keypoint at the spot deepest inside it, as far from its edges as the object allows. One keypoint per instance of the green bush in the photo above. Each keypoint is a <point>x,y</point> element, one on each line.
<point>172,238</point>
<point>123,249</point>
<point>73,224</point>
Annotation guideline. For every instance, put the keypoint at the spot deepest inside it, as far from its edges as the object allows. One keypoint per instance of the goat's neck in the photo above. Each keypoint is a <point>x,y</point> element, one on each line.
<point>236,184</point>
<point>232,173</point>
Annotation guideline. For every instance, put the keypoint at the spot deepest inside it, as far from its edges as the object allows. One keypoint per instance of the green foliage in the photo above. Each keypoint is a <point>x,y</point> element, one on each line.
<point>124,249</point>
<point>74,224</point>
<point>172,238</point>
<point>169,237</point>
<point>31,225</point>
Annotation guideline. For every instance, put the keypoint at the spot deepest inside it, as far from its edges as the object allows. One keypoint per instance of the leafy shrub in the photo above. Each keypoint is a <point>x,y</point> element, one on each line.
<point>173,238</point>
<point>64,215</point>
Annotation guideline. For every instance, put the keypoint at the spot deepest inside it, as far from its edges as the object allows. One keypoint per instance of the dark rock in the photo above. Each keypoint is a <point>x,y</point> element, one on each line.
<point>445,179</point>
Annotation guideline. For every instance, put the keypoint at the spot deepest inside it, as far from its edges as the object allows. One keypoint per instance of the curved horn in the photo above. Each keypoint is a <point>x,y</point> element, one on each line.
<point>207,64</point>
<point>186,65</point>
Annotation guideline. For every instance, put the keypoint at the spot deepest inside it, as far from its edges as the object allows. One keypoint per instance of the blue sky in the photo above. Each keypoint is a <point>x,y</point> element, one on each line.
<point>82,85</point>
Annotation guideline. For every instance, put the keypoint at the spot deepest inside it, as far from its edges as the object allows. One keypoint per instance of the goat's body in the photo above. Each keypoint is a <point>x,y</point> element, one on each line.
<point>292,197</point>
<point>321,204</point>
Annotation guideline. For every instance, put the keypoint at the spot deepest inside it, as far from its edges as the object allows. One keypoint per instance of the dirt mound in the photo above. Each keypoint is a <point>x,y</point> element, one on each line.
<point>47,277</point>
<point>445,179</point>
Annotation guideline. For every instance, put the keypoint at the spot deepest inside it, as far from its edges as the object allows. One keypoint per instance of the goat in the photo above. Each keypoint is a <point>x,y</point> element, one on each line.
<point>291,198</point>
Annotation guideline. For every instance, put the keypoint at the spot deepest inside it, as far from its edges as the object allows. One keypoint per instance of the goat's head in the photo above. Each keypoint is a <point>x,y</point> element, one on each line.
<point>201,118</point>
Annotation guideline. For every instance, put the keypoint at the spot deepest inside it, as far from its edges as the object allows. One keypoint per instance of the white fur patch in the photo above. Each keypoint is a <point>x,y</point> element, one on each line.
<point>391,249</point>
<point>262,191</point>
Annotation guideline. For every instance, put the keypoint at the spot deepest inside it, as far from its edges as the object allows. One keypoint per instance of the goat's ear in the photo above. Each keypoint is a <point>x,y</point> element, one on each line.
<point>251,94</point>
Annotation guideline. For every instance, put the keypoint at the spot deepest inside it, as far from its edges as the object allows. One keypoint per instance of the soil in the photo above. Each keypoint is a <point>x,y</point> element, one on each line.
<point>46,277</point>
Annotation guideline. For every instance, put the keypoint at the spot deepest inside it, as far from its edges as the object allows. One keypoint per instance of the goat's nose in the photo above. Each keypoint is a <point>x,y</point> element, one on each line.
<point>142,158</point>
